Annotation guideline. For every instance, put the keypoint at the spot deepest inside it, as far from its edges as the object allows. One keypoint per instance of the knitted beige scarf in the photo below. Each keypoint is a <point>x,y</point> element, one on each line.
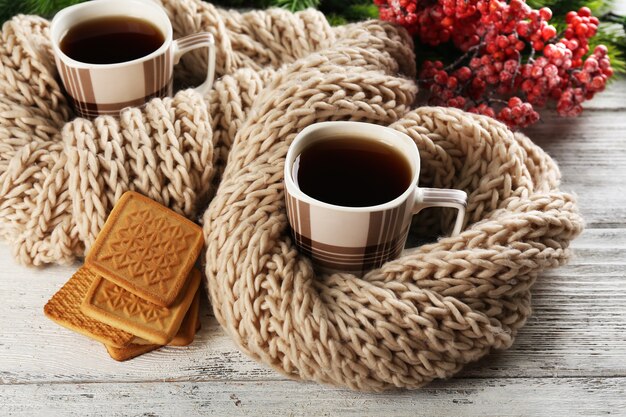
<point>417,318</point>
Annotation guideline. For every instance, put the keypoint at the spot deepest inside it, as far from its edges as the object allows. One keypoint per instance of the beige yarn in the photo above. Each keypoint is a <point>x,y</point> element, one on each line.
<point>417,318</point>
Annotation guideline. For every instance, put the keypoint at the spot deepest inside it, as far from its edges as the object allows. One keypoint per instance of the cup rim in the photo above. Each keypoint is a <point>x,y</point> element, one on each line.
<point>296,192</point>
<point>95,3</point>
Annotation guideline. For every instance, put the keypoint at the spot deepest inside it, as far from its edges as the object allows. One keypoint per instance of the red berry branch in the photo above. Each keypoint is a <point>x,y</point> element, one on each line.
<point>512,60</point>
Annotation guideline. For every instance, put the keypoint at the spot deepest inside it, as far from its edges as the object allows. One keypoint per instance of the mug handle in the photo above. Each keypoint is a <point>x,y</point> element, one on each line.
<point>439,197</point>
<point>190,42</point>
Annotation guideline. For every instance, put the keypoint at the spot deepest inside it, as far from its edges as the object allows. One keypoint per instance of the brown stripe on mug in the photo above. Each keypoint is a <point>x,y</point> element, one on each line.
<point>350,254</point>
<point>296,220</point>
<point>293,207</point>
<point>87,86</point>
<point>373,232</point>
<point>78,90</point>
<point>169,67</point>
<point>149,75</point>
<point>89,103</point>
<point>397,247</point>
<point>87,109</point>
<point>291,213</point>
<point>358,268</point>
<point>395,221</point>
<point>158,70</point>
<point>360,265</point>
<point>304,212</point>
<point>69,81</point>
<point>382,233</point>
<point>388,229</point>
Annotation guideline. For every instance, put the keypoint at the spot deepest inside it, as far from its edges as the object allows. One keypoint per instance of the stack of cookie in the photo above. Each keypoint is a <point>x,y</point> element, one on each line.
<point>138,289</point>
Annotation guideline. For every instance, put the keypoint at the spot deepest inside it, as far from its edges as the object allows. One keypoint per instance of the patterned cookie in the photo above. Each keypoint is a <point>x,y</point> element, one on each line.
<point>146,249</point>
<point>64,309</point>
<point>184,337</point>
<point>117,307</point>
<point>188,328</point>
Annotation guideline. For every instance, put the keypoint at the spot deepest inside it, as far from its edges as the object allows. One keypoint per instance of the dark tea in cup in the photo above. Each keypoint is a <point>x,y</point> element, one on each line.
<point>111,39</point>
<point>352,172</point>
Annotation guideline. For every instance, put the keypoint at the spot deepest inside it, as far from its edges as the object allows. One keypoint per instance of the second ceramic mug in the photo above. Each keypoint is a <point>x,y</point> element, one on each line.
<point>100,89</point>
<point>357,239</point>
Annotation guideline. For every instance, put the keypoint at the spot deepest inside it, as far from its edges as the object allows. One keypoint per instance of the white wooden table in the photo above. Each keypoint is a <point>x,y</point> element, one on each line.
<point>569,360</point>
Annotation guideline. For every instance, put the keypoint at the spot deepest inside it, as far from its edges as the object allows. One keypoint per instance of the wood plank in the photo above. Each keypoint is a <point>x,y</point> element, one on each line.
<point>591,152</point>
<point>577,329</point>
<point>555,397</point>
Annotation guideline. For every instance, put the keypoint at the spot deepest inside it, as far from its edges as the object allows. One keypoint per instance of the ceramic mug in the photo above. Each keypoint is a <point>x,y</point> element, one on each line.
<point>357,239</point>
<point>101,89</point>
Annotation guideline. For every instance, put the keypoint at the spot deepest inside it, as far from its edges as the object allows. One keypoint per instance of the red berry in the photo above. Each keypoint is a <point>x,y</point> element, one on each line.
<point>546,13</point>
<point>591,64</point>
<point>583,77</point>
<point>464,73</point>
<point>600,50</point>
<point>516,5</point>
<point>523,29</point>
<point>502,42</point>
<point>581,30</point>
<point>515,101</point>
<point>510,65</point>
<point>604,63</point>
<point>441,77</point>
<point>548,32</point>
<point>597,83</point>
<point>572,44</point>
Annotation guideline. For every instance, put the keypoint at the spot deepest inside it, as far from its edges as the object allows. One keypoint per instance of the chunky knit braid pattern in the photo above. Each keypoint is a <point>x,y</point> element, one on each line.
<point>420,317</point>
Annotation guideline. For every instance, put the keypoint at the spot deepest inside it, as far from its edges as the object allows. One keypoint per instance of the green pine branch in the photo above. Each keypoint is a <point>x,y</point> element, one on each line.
<point>9,8</point>
<point>46,8</point>
<point>296,5</point>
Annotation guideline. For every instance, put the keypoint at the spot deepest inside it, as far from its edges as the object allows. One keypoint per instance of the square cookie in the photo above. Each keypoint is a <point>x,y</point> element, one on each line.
<point>146,249</point>
<point>64,309</point>
<point>117,307</point>
<point>188,327</point>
